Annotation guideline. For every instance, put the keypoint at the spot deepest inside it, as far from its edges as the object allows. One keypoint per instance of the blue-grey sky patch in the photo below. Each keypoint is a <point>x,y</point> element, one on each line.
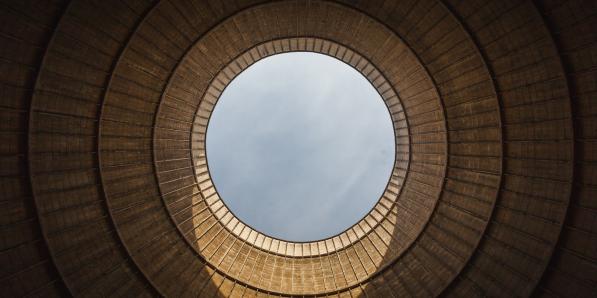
<point>300,146</point>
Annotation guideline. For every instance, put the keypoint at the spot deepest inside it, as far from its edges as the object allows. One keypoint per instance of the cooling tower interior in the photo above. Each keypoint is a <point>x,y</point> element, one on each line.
<point>105,189</point>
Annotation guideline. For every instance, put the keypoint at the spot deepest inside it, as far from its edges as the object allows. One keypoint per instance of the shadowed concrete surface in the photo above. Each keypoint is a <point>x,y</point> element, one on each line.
<point>104,187</point>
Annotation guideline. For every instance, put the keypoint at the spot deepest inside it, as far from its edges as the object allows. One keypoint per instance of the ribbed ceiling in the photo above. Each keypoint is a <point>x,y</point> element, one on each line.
<point>105,189</point>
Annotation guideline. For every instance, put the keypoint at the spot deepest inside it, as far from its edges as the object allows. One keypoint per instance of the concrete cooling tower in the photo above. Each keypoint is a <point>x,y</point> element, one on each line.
<point>105,190</point>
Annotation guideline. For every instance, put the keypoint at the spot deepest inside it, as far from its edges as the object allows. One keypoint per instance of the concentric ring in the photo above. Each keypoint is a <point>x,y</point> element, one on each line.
<point>494,192</point>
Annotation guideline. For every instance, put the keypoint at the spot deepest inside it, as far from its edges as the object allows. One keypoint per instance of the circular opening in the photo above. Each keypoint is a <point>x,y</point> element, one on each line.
<point>300,146</point>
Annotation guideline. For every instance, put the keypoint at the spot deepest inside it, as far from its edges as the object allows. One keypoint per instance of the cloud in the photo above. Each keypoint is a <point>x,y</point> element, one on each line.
<point>300,146</point>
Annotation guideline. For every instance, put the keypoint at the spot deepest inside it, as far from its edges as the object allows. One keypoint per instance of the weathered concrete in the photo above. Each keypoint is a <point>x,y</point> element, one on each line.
<point>105,190</point>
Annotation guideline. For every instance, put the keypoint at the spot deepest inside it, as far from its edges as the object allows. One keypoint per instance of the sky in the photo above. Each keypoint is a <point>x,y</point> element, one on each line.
<point>300,146</point>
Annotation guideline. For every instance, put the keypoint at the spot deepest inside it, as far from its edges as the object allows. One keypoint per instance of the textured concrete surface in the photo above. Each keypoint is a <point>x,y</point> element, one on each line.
<point>104,188</point>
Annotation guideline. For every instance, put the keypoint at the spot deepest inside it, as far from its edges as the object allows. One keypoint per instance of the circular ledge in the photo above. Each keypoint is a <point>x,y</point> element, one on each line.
<point>260,240</point>
<point>201,216</point>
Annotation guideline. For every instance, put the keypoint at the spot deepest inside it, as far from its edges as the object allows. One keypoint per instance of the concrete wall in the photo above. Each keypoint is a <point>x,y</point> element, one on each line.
<point>104,188</point>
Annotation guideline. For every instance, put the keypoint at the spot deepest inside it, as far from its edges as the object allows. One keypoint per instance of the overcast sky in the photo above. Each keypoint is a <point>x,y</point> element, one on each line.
<point>300,146</point>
